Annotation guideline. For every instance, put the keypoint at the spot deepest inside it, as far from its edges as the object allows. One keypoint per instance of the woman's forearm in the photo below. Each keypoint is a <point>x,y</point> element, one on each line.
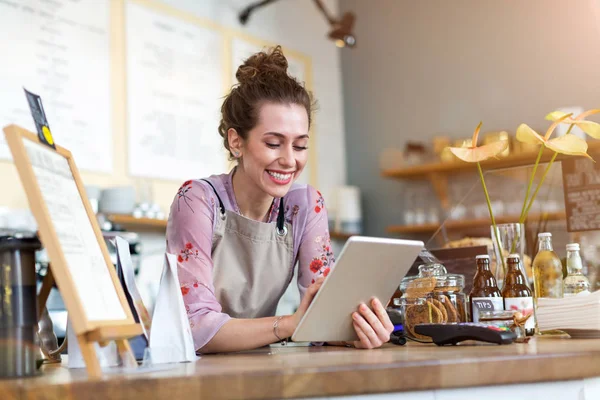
<point>247,334</point>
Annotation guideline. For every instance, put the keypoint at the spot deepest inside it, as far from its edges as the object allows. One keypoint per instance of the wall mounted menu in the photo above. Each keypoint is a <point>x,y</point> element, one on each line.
<point>60,50</point>
<point>175,84</point>
<point>581,185</point>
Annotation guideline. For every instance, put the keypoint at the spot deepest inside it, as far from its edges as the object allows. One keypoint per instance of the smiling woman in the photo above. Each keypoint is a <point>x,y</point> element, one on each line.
<point>238,236</point>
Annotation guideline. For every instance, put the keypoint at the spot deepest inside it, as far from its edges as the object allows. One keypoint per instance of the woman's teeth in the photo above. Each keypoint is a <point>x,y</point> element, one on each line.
<point>280,177</point>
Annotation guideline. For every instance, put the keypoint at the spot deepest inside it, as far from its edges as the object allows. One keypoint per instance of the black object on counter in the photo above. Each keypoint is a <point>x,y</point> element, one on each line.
<point>18,305</point>
<point>442,334</point>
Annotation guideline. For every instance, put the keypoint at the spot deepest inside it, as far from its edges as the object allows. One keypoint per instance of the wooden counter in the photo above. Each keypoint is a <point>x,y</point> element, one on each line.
<point>287,372</point>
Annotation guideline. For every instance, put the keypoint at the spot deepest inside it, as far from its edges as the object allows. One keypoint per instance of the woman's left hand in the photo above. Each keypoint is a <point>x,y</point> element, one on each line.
<point>372,327</point>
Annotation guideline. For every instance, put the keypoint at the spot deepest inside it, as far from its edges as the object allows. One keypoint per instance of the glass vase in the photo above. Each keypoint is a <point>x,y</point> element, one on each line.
<point>512,241</point>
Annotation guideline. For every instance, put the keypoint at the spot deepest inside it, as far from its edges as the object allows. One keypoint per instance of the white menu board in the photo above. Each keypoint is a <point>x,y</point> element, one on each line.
<point>85,261</point>
<point>174,94</point>
<point>59,50</point>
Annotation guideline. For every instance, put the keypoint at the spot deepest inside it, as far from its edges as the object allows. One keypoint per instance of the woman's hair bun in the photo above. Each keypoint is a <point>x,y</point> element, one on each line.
<point>262,64</point>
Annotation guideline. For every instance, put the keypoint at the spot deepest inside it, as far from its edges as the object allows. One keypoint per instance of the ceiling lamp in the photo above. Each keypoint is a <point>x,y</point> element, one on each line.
<point>341,29</point>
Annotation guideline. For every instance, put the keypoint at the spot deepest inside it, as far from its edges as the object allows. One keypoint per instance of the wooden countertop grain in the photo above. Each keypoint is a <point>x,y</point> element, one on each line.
<point>288,372</point>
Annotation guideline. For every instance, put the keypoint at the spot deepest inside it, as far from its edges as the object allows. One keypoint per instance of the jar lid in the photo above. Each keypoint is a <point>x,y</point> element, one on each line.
<point>431,283</point>
<point>545,234</point>
<point>20,241</point>
<point>434,269</point>
<point>450,281</point>
<point>573,247</point>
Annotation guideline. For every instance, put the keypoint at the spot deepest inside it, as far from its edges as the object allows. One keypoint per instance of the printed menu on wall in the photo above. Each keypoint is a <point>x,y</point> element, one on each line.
<point>175,85</point>
<point>59,50</point>
<point>581,185</point>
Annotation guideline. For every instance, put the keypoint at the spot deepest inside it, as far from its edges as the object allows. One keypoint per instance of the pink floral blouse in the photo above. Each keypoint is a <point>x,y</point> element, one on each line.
<point>189,236</point>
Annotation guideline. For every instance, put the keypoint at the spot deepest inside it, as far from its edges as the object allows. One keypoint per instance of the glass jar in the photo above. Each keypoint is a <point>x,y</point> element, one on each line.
<point>417,311</point>
<point>449,292</point>
<point>503,319</point>
<point>432,296</point>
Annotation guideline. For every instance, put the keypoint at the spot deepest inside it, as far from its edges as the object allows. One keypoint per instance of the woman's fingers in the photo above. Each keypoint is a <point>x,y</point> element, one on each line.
<point>310,293</point>
<point>372,337</point>
<point>374,323</point>
<point>363,342</point>
<point>383,316</point>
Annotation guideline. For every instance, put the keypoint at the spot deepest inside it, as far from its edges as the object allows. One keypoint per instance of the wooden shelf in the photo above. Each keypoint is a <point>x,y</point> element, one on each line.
<point>439,168</point>
<point>472,223</point>
<point>131,223</point>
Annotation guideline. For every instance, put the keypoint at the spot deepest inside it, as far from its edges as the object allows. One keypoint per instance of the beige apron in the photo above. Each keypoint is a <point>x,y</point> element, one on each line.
<point>252,262</point>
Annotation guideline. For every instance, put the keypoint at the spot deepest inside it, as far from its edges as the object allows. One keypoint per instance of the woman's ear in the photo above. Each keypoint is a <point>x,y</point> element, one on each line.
<point>235,142</point>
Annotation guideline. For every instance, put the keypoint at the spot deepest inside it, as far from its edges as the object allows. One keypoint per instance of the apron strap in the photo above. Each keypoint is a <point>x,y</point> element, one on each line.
<point>281,228</point>
<point>221,206</point>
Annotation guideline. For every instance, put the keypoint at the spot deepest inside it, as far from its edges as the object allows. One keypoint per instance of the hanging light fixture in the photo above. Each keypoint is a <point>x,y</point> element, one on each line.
<point>341,29</point>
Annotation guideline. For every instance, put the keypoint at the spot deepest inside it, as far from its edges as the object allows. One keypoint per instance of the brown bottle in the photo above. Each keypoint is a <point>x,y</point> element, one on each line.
<point>485,295</point>
<point>517,295</point>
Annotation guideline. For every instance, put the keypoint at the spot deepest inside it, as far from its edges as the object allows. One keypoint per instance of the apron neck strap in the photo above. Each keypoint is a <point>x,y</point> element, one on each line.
<point>221,206</point>
<point>281,229</point>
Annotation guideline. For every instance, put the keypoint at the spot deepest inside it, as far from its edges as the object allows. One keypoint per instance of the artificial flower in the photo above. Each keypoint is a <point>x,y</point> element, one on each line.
<point>590,127</point>
<point>566,144</point>
<point>476,153</point>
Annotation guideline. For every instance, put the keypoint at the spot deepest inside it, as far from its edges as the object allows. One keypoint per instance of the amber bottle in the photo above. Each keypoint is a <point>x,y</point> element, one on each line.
<point>517,295</point>
<point>485,295</point>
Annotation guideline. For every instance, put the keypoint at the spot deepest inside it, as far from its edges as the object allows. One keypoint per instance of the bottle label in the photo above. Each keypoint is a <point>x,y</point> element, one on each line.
<point>524,305</point>
<point>486,304</point>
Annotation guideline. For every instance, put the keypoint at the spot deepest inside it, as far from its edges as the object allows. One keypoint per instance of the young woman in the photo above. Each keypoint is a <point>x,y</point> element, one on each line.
<point>238,236</point>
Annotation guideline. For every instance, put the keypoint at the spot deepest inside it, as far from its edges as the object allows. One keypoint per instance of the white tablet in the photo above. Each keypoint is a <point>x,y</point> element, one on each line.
<point>366,267</point>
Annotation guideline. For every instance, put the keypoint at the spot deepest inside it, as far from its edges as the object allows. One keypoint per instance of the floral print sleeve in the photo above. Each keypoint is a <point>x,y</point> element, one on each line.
<point>189,236</point>
<point>315,255</point>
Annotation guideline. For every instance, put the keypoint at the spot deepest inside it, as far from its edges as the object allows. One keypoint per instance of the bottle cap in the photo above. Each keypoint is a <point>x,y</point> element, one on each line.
<point>544,234</point>
<point>482,257</point>
<point>514,255</point>
<point>573,247</point>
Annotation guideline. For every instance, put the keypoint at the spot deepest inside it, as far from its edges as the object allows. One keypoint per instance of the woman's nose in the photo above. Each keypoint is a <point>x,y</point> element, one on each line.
<point>287,158</point>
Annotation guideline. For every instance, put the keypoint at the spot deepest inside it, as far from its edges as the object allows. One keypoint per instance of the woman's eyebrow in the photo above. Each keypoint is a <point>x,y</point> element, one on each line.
<point>282,136</point>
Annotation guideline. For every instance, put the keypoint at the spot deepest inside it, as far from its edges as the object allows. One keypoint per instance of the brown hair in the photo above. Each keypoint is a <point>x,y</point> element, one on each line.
<point>261,78</point>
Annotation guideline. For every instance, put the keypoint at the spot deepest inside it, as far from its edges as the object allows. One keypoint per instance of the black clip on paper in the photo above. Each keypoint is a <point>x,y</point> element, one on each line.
<point>39,118</point>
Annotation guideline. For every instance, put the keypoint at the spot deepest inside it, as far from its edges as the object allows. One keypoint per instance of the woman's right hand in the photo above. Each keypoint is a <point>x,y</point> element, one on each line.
<point>306,300</point>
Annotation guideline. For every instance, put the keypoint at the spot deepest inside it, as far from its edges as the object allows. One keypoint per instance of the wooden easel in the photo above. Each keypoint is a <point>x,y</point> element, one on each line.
<point>35,160</point>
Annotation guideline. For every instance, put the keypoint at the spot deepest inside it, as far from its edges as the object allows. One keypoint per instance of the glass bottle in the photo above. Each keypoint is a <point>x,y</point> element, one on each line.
<point>547,269</point>
<point>575,282</point>
<point>485,295</point>
<point>517,296</point>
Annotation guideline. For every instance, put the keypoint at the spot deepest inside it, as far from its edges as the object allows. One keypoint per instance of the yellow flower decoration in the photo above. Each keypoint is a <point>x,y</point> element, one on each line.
<point>567,144</point>
<point>590,127</point>
<point>475,154</point>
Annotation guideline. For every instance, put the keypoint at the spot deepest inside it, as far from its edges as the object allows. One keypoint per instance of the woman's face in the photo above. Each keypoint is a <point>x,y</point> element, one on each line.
<point>275,152</point>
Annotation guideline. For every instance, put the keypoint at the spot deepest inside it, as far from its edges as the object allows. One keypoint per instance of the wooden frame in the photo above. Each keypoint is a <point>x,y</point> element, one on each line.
<point>87,331</point>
